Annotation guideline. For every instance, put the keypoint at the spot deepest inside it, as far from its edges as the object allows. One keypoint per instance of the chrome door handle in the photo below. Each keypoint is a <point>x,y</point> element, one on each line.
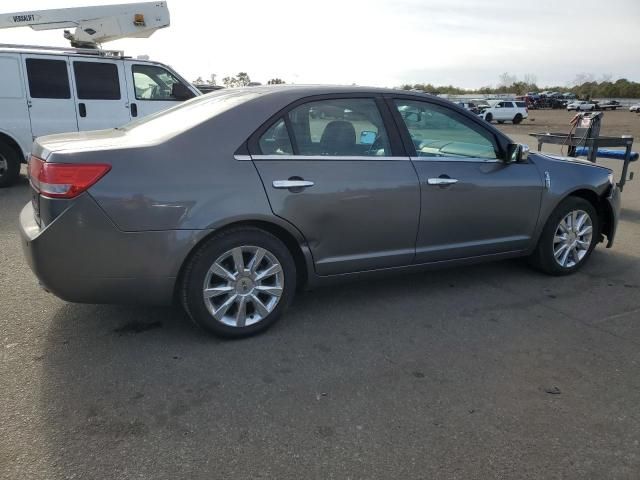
<point>292,184</point>
<point>441,181</point>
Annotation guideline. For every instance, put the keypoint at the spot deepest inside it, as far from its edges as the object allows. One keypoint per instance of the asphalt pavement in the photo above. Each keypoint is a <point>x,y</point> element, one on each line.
<point>490,371</point>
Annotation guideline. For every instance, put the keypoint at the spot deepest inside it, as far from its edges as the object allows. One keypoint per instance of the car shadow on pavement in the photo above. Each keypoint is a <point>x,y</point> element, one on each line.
<point>139,389</point>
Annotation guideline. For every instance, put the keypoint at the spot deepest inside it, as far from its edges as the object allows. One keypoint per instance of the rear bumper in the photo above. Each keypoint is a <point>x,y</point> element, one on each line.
<point>82,257</point>
<point>613,201</point>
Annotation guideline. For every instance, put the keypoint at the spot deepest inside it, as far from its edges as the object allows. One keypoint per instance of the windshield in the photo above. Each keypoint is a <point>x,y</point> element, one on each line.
<point>189,114</point>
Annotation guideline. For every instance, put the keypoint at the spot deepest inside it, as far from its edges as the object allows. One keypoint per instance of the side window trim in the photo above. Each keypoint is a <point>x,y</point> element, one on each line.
<point>410,147</point>
<point>398,149</point>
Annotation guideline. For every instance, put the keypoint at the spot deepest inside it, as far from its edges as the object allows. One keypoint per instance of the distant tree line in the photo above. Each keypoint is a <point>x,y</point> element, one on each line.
<point>584,86</point>
<point>242,79</point>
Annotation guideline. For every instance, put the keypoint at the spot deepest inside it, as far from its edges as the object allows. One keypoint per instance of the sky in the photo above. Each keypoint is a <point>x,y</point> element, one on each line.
<point>382,43</point>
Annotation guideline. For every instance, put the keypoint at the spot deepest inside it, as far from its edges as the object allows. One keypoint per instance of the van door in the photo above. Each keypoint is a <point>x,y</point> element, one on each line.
<point>153,88</point>
<point>49,98</point>
<point>14,114</point>
<point>101,93</point>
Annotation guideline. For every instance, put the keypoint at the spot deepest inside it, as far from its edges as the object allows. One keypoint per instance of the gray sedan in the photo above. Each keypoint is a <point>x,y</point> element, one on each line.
<point>232,201</point>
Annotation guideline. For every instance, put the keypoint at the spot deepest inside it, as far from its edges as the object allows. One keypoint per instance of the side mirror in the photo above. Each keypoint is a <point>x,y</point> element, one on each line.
<point>517,152</point>
<point>179,91</point>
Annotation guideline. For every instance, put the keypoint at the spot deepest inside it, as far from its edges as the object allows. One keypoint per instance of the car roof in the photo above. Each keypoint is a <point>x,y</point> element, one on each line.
<point>310,90</point>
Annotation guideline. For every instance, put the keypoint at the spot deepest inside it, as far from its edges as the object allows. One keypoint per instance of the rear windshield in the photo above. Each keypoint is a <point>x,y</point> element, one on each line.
<point>189,114</point>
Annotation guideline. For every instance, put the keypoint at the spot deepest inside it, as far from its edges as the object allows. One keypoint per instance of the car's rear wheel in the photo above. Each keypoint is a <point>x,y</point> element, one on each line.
<point>488,117</point>
<point>517,119</point>
<point>568,238</point>
<point>239,282</point>
<point>9,165</point>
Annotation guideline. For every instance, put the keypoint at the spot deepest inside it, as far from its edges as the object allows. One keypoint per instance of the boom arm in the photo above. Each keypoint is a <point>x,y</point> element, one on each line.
<point>95,25</point>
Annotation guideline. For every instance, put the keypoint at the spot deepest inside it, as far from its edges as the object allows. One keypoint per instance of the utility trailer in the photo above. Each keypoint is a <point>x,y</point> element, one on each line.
<point>586,140</point>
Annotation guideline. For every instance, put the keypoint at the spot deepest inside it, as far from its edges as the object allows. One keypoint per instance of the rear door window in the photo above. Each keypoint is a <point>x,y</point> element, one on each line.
<point>97,80</point>
<point>276,141</point>
<point>48,78</point>
<point>345,127</point>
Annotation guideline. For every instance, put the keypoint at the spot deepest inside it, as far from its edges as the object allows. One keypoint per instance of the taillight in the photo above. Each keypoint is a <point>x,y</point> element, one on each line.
<point>64,180</point>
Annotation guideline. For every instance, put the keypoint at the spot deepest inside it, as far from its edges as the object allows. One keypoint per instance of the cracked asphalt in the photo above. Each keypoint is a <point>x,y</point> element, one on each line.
<point>490,371</point>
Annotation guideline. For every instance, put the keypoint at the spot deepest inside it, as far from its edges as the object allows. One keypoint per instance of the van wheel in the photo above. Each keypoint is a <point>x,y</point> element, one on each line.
<point>489,117</point>
<point>517,119</point>
<point>239,282</point>
<point>9,165</point>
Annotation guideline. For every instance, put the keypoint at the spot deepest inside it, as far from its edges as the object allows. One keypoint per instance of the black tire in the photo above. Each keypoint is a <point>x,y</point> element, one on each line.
<point>543,256</point>
<point>9,165</point>
<point>488,117</point>
<point>517,119</point>
<point>199,264</point>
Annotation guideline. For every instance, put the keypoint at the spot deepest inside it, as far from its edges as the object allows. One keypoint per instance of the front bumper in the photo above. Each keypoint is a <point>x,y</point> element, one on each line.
<point>613,202</point>
<point>83,257</point>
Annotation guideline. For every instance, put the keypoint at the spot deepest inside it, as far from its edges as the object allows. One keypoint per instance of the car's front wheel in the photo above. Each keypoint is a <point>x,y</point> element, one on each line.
<point>239,282</point>
<point>488,117</point>
<point>568,238</point>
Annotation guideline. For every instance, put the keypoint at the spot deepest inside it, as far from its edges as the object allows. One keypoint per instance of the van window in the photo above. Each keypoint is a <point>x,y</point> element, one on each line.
<point>521,104</point>
<point>97,81</point>
<point>153,83</point>
<point>48,78</point>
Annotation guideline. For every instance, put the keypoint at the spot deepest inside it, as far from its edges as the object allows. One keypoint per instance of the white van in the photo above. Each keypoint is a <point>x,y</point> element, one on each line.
<point>45,90</point>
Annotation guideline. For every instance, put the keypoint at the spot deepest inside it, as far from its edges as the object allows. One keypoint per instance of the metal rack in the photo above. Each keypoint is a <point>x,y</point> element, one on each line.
<point>592,143</point>
<point>80,51</point>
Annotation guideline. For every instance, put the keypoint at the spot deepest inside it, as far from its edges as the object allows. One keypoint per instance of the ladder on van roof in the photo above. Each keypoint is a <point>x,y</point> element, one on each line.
<point>95,25</point>
<point>66,50</point>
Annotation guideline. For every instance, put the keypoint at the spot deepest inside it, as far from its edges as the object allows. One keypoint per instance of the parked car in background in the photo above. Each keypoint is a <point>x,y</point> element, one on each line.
<point>45,91</point>
<point>267,200</point>
<point>610,105</point>
<point>505,111</point>
<point>635,107</point>
<point>471,106</point>
<point>581,106</point>
<point>207,87</point>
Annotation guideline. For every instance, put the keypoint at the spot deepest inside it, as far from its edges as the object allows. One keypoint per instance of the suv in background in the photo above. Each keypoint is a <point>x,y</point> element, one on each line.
<point>505,111</point>
<point>47,90</point>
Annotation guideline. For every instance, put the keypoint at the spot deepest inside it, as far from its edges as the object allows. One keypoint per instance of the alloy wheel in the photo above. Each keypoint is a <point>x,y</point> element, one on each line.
<point>243,286</point>
<point>572,238</point>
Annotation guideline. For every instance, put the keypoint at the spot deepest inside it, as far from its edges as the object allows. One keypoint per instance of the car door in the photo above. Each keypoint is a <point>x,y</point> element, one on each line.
<point>153,88</point>
<point>101,94</point>
<point>334,169</point>
<point>473,203</point>
<point>49,98</point>
<point>506,111</point>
